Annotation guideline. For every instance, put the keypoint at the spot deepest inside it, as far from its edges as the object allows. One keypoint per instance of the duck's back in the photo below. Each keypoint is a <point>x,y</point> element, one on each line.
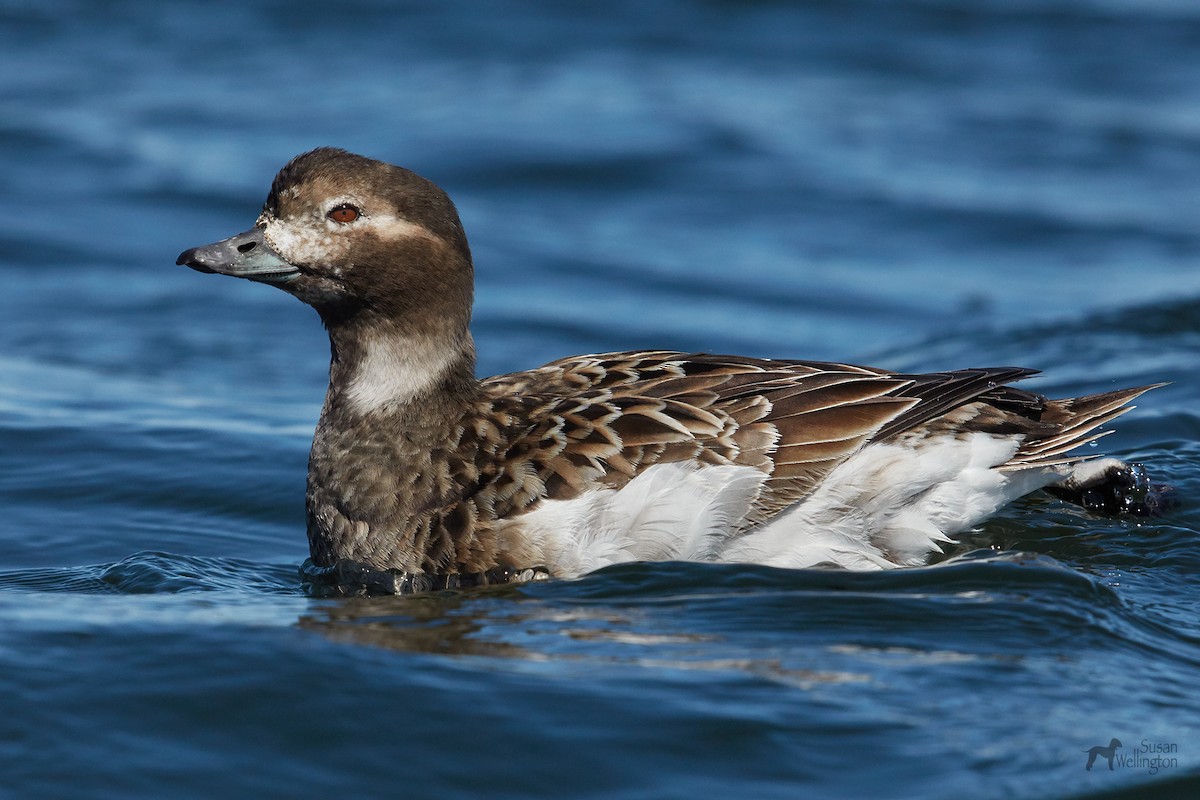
<point>658,455</point>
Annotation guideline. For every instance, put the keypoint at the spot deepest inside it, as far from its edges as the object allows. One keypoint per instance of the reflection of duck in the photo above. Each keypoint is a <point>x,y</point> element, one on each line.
<point>423,472</point>
<point>1109,753</point>
<point>445,623</point>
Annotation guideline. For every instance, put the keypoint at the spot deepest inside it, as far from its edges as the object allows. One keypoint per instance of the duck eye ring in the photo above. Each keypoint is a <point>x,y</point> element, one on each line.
<point>344,213</point>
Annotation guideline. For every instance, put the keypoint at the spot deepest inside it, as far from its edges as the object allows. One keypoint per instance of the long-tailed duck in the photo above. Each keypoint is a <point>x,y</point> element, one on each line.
<point>423,476</point>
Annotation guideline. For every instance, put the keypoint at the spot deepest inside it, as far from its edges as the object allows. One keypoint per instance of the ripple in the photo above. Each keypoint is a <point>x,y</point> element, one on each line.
<point>151,572</point>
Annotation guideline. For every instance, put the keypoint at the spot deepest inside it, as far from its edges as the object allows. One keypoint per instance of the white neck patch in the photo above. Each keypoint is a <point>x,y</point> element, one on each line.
<point>395,369</point>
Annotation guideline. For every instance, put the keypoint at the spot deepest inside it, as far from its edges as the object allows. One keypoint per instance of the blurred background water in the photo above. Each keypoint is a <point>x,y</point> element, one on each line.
<point>915,184</point>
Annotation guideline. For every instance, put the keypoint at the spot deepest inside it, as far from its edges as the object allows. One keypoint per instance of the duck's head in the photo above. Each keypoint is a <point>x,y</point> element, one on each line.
<point>354,238</point>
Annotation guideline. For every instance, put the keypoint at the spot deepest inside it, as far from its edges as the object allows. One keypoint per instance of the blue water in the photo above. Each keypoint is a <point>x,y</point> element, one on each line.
<point>915,184</point>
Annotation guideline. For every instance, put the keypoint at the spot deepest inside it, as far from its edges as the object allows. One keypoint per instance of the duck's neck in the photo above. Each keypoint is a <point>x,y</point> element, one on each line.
<point>390,431</point>
<point>412,377</point>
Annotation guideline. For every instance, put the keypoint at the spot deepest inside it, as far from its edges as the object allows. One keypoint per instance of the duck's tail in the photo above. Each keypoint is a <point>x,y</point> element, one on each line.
<point>1102,485</point>
<point>1071,423</point>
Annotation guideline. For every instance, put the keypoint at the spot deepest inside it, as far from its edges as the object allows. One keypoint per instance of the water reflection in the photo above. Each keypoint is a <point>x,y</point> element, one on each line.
<point>508,623</point>
<point>445,623</point>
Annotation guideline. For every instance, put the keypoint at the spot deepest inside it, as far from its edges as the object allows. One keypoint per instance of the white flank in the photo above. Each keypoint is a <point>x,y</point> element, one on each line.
<point>395,369</point>
<point>890,505</point>
<point>887,506</point>
<point>674,511</point>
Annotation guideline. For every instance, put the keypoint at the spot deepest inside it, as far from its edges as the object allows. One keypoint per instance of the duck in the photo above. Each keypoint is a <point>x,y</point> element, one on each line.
<point>423,476</point>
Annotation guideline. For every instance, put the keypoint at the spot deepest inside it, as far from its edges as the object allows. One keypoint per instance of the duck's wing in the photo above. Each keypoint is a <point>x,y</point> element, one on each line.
<point>590,421</point>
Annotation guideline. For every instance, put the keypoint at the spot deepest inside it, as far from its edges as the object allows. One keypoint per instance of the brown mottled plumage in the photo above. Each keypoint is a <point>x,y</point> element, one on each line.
<point>417,467</point>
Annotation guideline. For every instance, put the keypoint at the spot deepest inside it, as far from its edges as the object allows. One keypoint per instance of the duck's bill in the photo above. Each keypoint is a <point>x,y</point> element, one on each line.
<point>246,255</point>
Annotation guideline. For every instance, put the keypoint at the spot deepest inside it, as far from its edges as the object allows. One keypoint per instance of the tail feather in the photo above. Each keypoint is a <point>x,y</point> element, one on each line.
<point>1076,420</point>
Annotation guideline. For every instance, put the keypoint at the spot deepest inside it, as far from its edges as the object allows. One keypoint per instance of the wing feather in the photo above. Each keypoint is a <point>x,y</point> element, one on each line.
<point>600,420</point>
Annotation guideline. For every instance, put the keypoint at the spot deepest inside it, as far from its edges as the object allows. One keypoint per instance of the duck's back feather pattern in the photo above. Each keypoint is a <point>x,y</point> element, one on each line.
<point>598,421</point>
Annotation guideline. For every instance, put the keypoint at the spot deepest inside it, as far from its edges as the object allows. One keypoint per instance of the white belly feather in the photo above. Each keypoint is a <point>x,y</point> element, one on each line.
<point>672,511</point>
<point>888,505</point>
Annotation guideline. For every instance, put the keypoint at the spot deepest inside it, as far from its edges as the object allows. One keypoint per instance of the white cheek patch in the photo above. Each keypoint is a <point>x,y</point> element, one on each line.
<point>327,243</point>
<point>310,245</point>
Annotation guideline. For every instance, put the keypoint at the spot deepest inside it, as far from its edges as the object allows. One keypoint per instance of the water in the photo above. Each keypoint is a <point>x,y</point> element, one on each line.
<point>917,184</point>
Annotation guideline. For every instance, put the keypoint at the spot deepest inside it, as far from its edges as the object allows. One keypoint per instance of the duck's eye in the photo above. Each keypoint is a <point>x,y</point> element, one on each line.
<point>344,213</point>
